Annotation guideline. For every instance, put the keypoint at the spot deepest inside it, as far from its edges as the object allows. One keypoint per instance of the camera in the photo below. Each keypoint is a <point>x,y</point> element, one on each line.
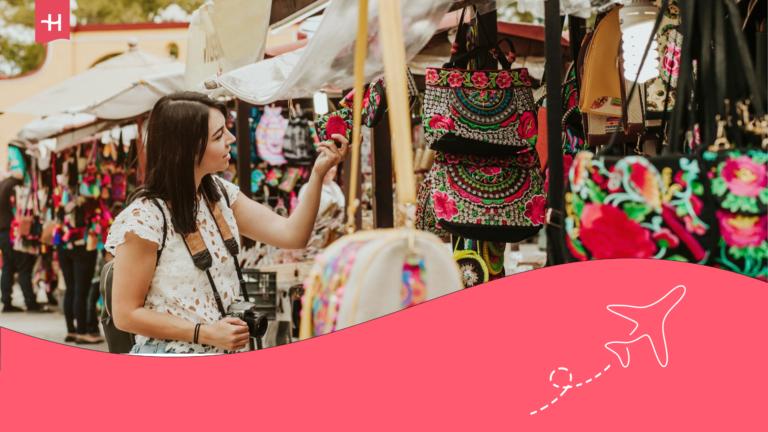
<point>246,311</point>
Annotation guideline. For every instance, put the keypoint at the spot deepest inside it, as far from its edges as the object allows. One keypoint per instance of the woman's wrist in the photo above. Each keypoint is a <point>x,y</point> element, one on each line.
<point>203,335</point>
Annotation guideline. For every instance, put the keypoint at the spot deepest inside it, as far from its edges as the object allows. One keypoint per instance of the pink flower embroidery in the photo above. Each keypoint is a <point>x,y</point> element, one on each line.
<point>445,206</point>
<point>671,63</point>
<point>452,158</point>
<point>490,171</point>
<point>744,177</point>
<point>455,79</point>
<point>523,76</point>
<point>742,231</point>
<point>535,209</point>
<point>432,76</point>
<point>479,79</point>
<point>503,80</point>
<point>666,238</point>
<point>438,122</point>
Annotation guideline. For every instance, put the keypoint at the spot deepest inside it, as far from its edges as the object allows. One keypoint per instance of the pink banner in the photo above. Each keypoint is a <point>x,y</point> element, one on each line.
<point>51,20</point>
<point>630,345</point>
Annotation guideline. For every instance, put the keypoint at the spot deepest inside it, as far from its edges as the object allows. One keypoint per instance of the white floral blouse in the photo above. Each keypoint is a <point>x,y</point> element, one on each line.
<point>179,288</point>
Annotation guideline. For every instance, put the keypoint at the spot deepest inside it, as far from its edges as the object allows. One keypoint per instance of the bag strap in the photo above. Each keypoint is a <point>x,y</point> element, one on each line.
<point>556,177</point>
<point>243,290</point>
<point>165,229</point>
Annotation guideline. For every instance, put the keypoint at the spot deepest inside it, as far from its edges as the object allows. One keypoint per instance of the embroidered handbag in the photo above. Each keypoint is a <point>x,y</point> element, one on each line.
<point>480,112</point>
<point>338,122</point>
<point>370,274</point>
<point>499,199</point>
<point>708,207</point>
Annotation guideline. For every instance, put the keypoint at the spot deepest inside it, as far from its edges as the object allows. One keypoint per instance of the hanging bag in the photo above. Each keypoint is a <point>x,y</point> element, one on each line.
<point>369,274</point>
<point>489,198</point>
<point>481,112</point>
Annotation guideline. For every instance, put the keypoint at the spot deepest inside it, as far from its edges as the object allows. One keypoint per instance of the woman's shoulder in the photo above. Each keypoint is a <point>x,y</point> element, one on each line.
<point>142,217</point>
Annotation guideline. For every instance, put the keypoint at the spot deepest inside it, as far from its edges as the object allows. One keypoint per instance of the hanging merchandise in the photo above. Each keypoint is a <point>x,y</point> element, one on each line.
<point>270,134</point>
<point>471,265</point>
<point>493,256</point>
<point>289,180</point>
<point>370,274</point>
<point>482,112</point>
<point>25,226</point>
<point>273,177</point>
<point>298,145</point>
<point>491,199</point>
<point>709,207</point>
<point>294,202</point>
<point>669,41</point>
<point>339,122</point>
<point>90,178</point>
<point>280,208</point>
<point>375,99</point>
<point>425,210</point>
<point>600,87</point>
<point>256,178</point>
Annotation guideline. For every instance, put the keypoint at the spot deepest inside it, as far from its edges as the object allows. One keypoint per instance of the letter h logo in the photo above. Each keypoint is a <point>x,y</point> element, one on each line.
<point>51,20</point>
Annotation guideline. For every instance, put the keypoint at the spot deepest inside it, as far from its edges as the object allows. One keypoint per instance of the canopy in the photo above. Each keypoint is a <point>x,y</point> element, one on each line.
<point>327,60</point>
<point>97,84</point>
<point>140,97</point>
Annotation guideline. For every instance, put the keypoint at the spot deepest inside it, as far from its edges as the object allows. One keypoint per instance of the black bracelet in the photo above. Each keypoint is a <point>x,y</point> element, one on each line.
<point>197,331</point>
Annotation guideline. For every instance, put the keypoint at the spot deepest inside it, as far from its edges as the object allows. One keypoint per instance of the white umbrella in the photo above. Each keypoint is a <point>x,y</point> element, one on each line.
<point>97,84</point>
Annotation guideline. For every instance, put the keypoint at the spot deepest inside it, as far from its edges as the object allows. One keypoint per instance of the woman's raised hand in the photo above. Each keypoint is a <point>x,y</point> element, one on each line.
<point>330,155</point>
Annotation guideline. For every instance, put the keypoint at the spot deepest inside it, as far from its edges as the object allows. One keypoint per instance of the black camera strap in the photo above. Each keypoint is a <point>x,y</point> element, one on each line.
<point>198,250</point>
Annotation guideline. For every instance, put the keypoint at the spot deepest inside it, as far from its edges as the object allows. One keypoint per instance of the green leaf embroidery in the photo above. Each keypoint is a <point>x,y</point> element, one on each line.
<point>597,195</point>
<point>736,203</point>
<point>578,204</point>
<point>636,211</point>
<point>698,188</point>
<point>718,186</point>
<point>677,258</point>
<point>764,196</point>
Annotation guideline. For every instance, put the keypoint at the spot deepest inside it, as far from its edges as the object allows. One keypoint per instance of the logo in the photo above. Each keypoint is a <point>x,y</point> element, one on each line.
<point>51,20</point>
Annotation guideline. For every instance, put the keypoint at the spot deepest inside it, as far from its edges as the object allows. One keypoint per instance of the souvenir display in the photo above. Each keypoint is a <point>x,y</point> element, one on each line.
<point>370,274</point>
<point>269,136</point>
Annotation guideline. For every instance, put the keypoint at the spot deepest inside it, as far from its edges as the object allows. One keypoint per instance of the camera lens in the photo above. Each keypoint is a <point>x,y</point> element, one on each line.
<point>257,325</point>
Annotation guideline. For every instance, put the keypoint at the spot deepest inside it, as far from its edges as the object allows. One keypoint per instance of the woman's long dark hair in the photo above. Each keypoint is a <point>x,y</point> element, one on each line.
<point>177,136</point>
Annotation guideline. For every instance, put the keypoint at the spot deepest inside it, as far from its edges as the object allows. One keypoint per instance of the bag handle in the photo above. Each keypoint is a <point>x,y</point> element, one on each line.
<point>460,60</point>
<point>664,7</point>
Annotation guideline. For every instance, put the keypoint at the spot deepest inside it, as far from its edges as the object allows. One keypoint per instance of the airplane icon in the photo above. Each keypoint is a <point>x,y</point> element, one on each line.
<point>646,318</point>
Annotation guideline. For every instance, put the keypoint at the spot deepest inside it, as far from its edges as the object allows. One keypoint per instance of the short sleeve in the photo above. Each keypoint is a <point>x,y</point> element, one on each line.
<point>142,218</point>
<point>231,189</point>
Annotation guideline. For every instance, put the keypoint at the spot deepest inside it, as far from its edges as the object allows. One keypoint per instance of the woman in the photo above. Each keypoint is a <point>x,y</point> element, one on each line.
<point>162,301</point>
